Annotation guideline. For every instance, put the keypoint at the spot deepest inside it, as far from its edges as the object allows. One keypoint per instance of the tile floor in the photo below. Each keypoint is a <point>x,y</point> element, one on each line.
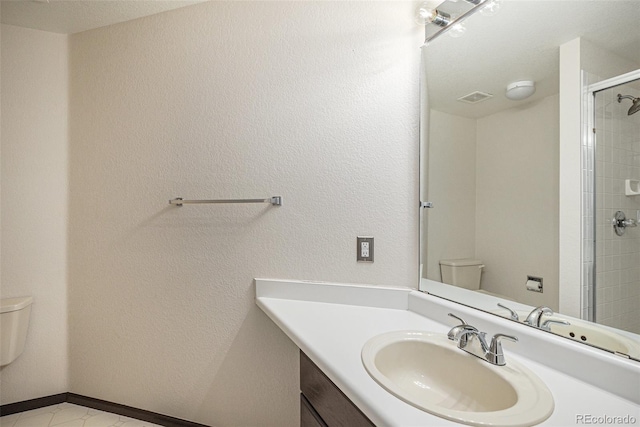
<point>69,415</point>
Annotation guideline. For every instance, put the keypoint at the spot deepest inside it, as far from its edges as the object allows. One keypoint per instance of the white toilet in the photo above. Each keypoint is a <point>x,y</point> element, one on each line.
<point>464,273</point>
<point>14,322</point>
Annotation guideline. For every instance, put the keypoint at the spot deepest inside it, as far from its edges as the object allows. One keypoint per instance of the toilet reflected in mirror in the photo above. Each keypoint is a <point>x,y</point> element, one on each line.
<point>464,273</point>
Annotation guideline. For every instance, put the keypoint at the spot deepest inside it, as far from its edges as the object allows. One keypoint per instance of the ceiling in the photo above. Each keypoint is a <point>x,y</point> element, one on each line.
<point>521,42</point>
<point>74,16</point>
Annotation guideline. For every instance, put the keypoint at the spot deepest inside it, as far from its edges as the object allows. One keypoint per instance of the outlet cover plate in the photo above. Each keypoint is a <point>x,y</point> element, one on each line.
<point>362,249</point>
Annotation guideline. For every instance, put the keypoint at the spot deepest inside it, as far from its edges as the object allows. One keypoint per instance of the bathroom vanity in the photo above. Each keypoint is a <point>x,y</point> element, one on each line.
<point>321,401</point>
<point>331,323</point>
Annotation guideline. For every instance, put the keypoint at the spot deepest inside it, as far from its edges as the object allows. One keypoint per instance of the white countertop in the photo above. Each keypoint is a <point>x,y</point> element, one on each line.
<point>331,323</point>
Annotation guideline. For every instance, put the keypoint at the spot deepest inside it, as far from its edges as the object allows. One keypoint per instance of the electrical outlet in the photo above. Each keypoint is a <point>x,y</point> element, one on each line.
<point>365,249</point>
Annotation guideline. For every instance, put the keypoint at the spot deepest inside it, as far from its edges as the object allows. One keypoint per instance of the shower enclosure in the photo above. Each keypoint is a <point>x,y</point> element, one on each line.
<point>611,201</point>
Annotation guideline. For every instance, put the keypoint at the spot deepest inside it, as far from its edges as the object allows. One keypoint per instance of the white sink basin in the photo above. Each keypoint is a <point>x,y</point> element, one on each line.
<point>587,332</point>
<point>429,372</point>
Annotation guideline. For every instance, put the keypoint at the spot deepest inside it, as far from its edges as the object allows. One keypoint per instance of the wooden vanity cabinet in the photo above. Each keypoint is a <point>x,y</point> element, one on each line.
<point>322,404</point>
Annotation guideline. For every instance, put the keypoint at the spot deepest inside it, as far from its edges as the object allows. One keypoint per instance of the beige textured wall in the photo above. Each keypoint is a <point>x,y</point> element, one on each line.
<point>314,101</point>
<point>602,62</point>
<point>517,200</point>
<point>34,214</point>
<point>451,185</point>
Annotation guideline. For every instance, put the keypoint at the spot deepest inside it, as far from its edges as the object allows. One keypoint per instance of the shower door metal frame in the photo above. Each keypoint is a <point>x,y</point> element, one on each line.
<point>590,137</point>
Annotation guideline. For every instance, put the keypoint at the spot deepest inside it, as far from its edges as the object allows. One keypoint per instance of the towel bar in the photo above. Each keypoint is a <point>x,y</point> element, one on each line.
<point>275,201</point>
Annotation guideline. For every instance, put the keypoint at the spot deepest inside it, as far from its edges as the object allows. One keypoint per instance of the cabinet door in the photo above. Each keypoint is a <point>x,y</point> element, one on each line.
<point>308,416</point>
<point>326,398</point>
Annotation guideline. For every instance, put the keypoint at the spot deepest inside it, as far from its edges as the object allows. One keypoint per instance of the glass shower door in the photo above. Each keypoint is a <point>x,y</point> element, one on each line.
<point>617,206</point>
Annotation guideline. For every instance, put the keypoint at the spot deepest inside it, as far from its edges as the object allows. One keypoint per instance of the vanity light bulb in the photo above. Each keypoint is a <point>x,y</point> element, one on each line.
<point>426,14</point>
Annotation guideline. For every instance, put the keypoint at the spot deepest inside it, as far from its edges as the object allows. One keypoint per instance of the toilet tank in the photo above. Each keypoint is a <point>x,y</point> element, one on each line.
<point>14,322</point>
<point>464,273</point>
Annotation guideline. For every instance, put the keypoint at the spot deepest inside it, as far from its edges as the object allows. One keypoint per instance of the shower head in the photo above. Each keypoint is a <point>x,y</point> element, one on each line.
<point>636,103</point>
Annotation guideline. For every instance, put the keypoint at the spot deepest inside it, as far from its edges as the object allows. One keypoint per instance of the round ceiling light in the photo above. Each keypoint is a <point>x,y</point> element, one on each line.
<point>518,91</point>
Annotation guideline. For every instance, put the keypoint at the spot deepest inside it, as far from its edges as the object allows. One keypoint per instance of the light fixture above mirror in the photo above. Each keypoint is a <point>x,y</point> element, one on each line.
<point>428,14</point>
<point>440,16</point>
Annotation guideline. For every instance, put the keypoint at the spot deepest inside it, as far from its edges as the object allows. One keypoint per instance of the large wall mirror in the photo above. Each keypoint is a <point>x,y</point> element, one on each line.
<point>523,188</point>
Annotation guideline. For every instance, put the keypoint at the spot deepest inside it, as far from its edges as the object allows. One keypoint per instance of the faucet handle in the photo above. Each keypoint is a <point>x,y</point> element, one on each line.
<point>514,315</point>
<point>460,319</point>
<point>495,354</point>
<point>546,323</point>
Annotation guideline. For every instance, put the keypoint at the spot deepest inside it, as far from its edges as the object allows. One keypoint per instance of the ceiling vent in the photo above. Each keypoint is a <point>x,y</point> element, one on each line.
<point>475,97</point>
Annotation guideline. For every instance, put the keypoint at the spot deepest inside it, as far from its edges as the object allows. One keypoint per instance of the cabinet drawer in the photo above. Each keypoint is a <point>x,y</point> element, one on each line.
<point>327,399</point>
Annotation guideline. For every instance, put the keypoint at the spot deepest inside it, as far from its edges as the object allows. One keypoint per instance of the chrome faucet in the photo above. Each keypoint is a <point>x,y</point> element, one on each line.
<point>535,317</point>
<point>474,342</point>
<point>455,333</point>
